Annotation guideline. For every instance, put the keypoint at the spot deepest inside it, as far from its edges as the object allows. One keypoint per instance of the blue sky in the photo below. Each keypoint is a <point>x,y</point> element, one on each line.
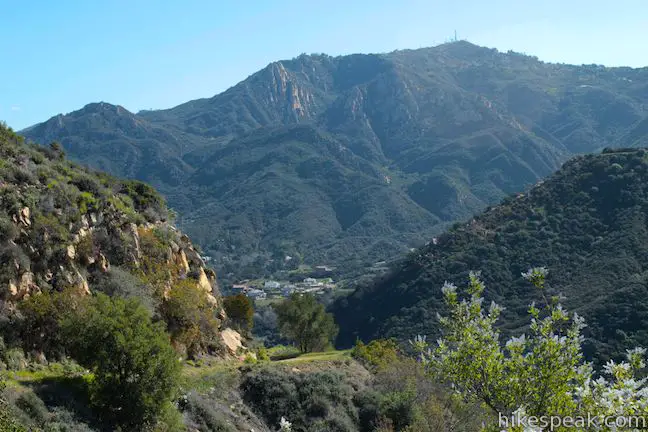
<point>59,55</point>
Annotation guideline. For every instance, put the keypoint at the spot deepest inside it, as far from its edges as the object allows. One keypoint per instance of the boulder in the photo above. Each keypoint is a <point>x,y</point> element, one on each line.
<point>104,264</point>
<point>232,340</point>
<point>70,252</point>
<point>25,217</point>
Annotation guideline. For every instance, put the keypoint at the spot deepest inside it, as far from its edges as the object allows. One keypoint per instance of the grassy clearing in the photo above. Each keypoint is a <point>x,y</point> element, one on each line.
<point>318,356</point>
<point>204,378</point>
<point>54,371</point>
<point>268,301</point>
<point>225,375</point>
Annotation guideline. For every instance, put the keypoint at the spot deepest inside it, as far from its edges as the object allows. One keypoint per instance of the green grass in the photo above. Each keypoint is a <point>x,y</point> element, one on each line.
<point>52,372</point>
<point>225,374</point>
<point>268,301</point>
<point>334,355</point>
<point>204,378</point>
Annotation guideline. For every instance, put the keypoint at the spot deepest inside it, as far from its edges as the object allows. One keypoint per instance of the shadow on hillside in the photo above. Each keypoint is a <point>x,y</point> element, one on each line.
<point>284,356</point>
<point>69,394</point>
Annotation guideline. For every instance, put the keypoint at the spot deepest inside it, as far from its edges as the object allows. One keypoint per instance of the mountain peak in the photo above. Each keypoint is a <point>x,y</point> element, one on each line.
<point>457,126</point>
<point>102,107</point>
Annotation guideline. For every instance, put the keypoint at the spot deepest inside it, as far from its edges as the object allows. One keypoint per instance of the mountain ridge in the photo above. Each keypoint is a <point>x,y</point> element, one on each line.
<point>448,129</point>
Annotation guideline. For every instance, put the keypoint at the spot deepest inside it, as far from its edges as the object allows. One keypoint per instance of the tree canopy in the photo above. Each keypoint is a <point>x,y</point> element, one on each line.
<point>240,311</point>
<point>305,321</point>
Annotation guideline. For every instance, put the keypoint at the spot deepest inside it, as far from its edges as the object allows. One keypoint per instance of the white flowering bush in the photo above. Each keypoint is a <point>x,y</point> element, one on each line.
<point>539,377</point>
<point>285,425</point>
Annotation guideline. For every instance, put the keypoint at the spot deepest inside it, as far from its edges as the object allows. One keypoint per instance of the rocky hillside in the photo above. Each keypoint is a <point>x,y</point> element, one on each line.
<point>354,159</point>
<point>587,224</point>
<point>63,227</point>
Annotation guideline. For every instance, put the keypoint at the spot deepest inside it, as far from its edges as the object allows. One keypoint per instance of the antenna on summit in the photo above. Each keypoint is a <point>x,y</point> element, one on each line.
<point>455,37</point>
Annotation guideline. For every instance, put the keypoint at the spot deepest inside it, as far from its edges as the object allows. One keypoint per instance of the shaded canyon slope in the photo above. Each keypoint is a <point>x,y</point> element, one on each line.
<point>587,224</point>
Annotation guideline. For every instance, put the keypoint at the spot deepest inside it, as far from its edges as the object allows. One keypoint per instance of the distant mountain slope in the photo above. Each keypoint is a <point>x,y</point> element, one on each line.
<point>354,159</point>
<point>587,224</point>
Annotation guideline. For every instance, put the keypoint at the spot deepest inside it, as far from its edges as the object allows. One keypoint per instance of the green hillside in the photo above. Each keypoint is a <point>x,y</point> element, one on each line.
<point>586,223</point>
<point>355,159</point>
<point>98,291</point>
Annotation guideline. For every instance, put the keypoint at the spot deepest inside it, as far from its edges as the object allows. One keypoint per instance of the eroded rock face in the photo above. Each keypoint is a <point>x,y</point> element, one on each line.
<point>78,225</point>
<point>104,265</point>
<point>206,285</point>
<point>72,277</point>
<point>92,240</point>
<point>132,230</point>
<point>203,282</point>
<point>23,287</point>
<point>181,261</point>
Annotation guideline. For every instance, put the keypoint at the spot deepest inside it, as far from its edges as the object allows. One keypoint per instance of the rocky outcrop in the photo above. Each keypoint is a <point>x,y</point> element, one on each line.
<point>25,217</point>
<point>134,233</point>
<point>102,263</point>
<point>181,261</point>
<point>67,228</point>
<point>22,287</point>
<point>70,252</point>
<point>83,256</point>
<point>206,285</point>
<point>203,282</point>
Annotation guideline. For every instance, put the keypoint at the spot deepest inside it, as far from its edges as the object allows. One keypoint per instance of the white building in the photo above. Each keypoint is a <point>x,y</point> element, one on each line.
<point>271,285</point>
<point>257,294</point>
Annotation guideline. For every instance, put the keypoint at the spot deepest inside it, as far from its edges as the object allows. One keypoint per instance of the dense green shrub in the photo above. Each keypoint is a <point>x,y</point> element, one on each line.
<point>87,202</point>
<point>56,151</point>
<point>135,369</point>
<point>145,197</point>
<point>8,230</point>
<point>41,320</point>
<point>8,422</point>
<point>12,258</point>
<point>122,283</point>
<point>33,407</point>
<point>262,354</point>
<point>152,246</point>
<point>14,359</point>
<point>265,326</point>
<point>203,416</point>
<point>376,354</point>
<point>191,318</point>
<point>90,184</point>
<point>313,401</point>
